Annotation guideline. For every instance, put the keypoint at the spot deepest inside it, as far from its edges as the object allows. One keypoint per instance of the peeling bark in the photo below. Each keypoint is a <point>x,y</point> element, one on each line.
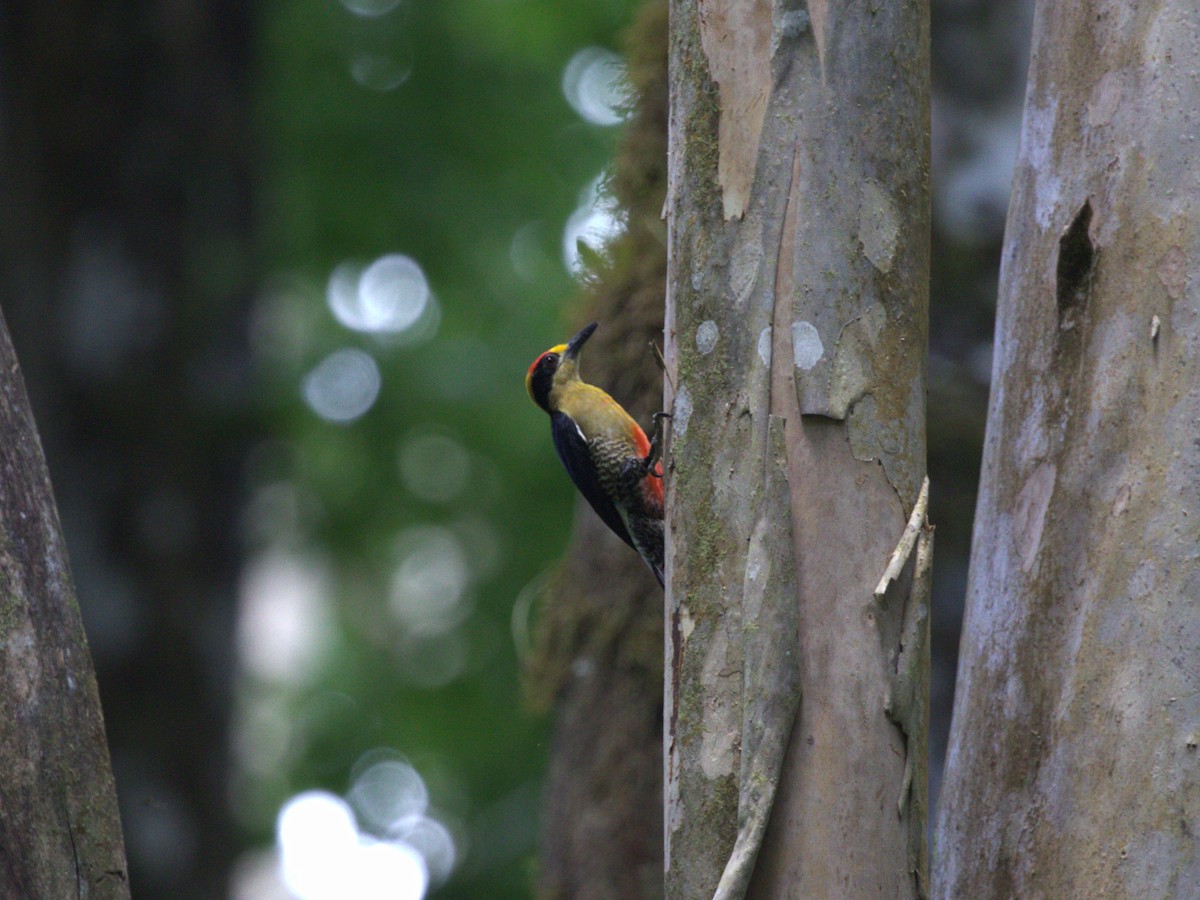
<point>737,43</point>
<point>60,833</point>
<point>1072,760</point>
<point>796,330</point>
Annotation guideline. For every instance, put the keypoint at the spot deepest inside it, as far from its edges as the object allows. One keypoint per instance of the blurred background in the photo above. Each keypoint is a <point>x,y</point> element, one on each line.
<point>274,271</point>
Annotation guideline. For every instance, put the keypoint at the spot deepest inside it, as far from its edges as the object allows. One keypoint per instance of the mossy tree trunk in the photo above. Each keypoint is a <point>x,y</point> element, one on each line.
<point>599,655</point>
<point>1074,745</point>
<point>796,330</point>
<point>60,832</point>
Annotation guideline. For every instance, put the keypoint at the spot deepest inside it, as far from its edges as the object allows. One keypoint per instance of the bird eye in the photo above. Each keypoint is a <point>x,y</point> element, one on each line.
<point>551,359</point>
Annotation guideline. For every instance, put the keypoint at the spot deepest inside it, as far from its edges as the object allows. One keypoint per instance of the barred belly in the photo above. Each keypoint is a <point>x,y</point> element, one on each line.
<point>619,470</point>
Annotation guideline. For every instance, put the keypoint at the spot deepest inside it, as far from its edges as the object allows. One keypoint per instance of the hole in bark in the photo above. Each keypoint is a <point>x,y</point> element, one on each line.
<point>1076,259</point>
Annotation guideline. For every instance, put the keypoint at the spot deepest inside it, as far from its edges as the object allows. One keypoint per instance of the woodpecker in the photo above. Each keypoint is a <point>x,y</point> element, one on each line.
<point>606,453</point>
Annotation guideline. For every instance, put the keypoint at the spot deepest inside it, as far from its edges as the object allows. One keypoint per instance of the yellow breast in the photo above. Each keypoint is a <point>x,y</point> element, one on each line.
<point>597,414</point>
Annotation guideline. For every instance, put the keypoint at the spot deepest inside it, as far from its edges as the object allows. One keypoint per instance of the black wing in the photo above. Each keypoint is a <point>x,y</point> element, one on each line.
<point>573,451</point>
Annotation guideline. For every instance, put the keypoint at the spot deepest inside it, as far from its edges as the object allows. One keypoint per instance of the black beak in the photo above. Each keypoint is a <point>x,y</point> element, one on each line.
<point>577,342</point>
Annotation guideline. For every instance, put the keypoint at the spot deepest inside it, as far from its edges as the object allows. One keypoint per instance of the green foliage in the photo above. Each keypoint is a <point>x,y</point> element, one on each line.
<point>474,159</point>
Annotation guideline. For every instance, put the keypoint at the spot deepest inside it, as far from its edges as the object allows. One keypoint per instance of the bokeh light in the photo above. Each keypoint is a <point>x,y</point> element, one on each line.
<point>323,856</point>
<point>315,832</point>
<point>389,295</point>
<point>283,617</point>
<point>595,84</point>
<point>387,795</point>
<point>343,386</point>
<point>428,586</point>
<point>433,841</point>
<point>595,222</point>
<point>379,841</point>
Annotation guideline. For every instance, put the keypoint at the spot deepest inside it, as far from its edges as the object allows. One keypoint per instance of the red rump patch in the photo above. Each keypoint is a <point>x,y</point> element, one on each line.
<point>652,483</point>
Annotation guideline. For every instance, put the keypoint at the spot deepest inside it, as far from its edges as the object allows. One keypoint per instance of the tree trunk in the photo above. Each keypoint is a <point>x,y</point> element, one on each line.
<point>125,172</point>
<point>60,833</point>
<point>1073,751</point>
<point>796,330</point>
<point>600,641</point>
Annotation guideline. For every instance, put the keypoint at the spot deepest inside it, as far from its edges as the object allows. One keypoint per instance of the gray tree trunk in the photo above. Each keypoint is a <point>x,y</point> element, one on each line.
<point>1074,745</point>
<point>796,330</point>
<point>60,833</point>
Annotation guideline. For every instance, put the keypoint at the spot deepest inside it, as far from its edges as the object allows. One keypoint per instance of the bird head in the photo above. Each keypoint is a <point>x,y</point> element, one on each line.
<point>555,368</point>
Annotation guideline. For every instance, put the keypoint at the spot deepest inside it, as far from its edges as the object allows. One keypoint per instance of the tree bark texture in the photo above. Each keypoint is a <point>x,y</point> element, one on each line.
<point>599,655</point>
<point>798,214</point>
<point>125,172</point>
<point>1072,768</point>
<point>60,832</point>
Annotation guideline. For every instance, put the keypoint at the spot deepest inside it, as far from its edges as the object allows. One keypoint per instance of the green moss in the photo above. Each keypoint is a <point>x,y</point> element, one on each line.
<point>700,127</point>
<point>624,290</point>
<point>705,545</point>
<point>709,802</point>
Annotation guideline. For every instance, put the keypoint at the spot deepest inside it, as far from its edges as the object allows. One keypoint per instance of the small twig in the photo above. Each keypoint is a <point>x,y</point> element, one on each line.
<point>662,364</point>
<point>907,540</point>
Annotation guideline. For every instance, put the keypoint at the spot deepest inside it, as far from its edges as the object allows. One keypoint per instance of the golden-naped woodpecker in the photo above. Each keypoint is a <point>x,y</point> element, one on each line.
<point>606,453</point>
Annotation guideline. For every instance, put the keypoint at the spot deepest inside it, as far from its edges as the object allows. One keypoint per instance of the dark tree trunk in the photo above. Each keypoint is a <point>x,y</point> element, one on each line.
<point>124,245</point>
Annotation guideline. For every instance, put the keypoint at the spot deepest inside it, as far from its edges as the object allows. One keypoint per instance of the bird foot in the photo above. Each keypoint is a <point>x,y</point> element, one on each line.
<point>656,440</point>
<point>638,468</point>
